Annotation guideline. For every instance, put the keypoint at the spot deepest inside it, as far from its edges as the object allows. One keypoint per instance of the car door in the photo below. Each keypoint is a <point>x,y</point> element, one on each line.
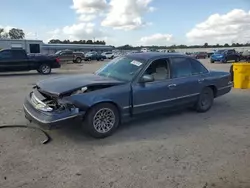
<point>187,82</point>
<point>19,61</point>
<point>13,60</point>
<point>230,55</point>
<point>153,95</point>
<point>66,56</point>
<point>5,57</point>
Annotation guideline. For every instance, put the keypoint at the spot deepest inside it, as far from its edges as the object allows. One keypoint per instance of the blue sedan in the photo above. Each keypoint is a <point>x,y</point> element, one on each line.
<point>128,86</point>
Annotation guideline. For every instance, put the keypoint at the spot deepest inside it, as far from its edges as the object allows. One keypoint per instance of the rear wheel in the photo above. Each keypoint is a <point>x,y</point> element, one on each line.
<point>102,120</point>
<point>78,60</point>
<point>211,61</point>
<point>205,100</point>
<point>44,69</point>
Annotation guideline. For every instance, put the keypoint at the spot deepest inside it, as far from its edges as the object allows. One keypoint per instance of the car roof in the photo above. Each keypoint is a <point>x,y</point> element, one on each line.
<point>151,55</point>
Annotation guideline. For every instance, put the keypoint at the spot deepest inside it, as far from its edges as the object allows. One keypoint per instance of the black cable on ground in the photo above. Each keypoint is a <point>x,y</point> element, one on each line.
<point>46,141</point>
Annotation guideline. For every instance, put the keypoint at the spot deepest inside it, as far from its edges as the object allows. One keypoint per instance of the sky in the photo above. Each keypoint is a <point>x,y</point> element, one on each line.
<point>133,22</point>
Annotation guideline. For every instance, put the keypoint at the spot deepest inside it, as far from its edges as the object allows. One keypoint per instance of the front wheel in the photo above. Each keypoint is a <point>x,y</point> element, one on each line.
<point>205,100</point>
<point>102,120</point>
<point>78,60</point>
<point>211,61</point>
<point>44,69</point>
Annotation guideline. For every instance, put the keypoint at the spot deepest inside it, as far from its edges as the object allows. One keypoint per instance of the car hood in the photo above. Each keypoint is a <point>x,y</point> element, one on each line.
<point>60,86</point>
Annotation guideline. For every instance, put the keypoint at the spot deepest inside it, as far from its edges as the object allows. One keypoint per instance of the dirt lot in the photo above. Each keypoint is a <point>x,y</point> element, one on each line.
<point>183,149</point>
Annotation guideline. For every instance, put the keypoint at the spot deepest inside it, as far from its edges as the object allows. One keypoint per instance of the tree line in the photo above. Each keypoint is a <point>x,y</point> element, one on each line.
<point>16,33</point>
<point>13,33</point>
<point>57,41</point>
<point>182,46</point>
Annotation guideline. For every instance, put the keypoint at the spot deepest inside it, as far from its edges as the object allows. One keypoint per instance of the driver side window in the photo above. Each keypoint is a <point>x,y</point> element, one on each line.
<point>159,69</point>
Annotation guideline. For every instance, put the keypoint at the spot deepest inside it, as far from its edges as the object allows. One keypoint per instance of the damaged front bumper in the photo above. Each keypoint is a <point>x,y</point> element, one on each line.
<point>51,120</point>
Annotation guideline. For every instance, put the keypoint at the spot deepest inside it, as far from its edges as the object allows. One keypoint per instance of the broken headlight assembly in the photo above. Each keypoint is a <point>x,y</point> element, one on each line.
<point>39,105</point>
<point>66,105</point>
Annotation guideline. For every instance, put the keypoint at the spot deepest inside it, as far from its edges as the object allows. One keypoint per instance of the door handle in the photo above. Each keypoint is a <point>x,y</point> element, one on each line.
<point>201,80</point>
<point>172,86</point>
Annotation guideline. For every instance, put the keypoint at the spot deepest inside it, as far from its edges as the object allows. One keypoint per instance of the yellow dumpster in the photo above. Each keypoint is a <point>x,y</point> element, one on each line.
<point>241,75</point>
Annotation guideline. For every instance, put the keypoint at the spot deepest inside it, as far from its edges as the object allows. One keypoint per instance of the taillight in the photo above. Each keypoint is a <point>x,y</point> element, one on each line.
<point>57,60</point>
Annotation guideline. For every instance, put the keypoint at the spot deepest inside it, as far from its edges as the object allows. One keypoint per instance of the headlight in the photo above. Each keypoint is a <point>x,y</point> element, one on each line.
<point>39,105</point>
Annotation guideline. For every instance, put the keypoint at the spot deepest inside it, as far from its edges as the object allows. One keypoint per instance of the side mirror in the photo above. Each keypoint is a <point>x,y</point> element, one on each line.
<point>147,78</point>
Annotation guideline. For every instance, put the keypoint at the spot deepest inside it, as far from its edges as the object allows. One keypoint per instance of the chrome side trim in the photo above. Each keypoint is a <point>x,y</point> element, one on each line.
<point>47,122</point>
<point>225,87</point>
<point>156,102</point>
<point>126,107</point>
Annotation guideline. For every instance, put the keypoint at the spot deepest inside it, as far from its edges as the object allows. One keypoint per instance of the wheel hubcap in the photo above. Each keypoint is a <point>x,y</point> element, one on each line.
<point>205,100</point>
<point>104,120</point>
<point>45,69</point>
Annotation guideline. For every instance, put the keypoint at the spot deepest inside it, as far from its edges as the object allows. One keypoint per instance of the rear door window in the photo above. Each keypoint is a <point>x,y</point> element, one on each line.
<point>180,67</point>
<point>197,67</point>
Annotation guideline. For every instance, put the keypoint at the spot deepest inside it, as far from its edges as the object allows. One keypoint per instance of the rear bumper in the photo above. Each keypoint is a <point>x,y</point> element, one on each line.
<point>56,66</point>
<point>224,90</point>
<point>50,120</point>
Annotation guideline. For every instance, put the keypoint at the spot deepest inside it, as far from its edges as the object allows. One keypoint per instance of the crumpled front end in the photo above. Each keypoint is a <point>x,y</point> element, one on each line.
<point>50,112</point>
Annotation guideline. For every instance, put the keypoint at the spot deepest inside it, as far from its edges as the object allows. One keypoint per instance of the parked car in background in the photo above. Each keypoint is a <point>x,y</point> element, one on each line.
<point>199,55</point>
<point>94,56</point>
<point>126,87</point>
<point>188,53</point>
<point>17,60</point>
<point>209,54</point>
<point>78,57</point>
<point>225,55</point>
<point>245,55</point>
<point>108,55</point>
<point>65,55</point>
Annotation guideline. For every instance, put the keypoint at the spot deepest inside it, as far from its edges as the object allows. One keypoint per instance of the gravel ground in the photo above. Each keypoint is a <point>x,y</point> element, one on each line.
<point>182,149</point>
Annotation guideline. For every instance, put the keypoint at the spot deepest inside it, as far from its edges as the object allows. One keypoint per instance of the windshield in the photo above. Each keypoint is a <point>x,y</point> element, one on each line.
<point>121,68</point>
<point>90,53</point>
<point>58,52</point>
<point>219,52</point>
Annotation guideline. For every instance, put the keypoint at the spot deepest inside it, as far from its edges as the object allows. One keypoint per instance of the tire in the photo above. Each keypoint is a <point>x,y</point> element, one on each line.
<point>207,97</point>
<point>94,112</point>
<point>211,61</point>
<point>44,69</point>
<point>237,59</point>
<point>78,60</point>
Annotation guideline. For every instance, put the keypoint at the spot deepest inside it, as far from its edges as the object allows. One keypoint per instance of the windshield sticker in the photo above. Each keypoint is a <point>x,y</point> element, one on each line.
<point>137,63</point>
